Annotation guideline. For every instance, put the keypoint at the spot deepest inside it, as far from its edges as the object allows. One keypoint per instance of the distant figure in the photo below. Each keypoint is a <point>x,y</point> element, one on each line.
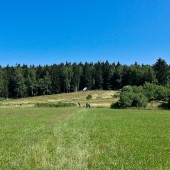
<point>87,105</point>
<point>79,104</point>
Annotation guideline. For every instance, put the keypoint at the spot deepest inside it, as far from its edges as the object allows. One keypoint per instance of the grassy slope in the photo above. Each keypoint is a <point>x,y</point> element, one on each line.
<point>79,138</point>
<point>99,98</point>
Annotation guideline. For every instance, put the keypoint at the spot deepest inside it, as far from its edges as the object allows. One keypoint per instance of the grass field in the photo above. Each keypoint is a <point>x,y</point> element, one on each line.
<point>79,138</point>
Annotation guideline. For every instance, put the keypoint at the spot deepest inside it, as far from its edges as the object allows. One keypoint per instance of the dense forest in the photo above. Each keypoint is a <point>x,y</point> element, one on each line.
<point>23,80</point>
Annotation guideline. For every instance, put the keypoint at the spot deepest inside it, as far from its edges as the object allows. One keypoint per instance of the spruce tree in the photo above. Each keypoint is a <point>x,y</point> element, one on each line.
<point>161,69</point>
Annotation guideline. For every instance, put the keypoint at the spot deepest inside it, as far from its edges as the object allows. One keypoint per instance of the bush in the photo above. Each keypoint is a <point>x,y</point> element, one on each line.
<point>156,92</point>
<point>140,100</point>
<point>60,104</point>
<point>162,93</point>
<point>129,99</point>
<point>127,89</point>
<point>150,91</point>
<point>126,99</point>
<point>138,89</point>
<point>138,96</point>
<point>89,97</point>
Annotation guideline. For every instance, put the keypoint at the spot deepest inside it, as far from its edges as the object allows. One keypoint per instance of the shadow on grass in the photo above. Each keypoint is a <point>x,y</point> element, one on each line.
<point>165,106</point>
<point>115,106</point>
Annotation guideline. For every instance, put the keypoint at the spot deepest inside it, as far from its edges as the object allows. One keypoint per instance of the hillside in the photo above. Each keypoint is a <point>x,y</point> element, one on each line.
<point>100,98</point>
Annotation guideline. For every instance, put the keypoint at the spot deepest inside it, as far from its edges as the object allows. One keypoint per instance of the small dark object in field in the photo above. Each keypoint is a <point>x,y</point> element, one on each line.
<point>87,105</point>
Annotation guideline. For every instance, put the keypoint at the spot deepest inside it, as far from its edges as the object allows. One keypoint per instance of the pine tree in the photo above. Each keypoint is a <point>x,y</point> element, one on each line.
<point>55,79</point>
<point>98,79</point>
<point>44,84</point>
<point>107,76</point>
<point>20,88</point>
<point>117,77</point>
<point>31,82</point>
<point>2,84</point>
<point>149,75</point>
<point>75,81</point>
<point>161,70</point>
<point>87,76</point>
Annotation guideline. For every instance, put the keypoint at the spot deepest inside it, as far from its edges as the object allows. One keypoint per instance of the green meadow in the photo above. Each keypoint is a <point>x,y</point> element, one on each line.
<point>80,138</point>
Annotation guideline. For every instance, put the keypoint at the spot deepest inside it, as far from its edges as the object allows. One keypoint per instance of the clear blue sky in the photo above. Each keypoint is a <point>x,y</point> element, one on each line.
<point>47,32</point>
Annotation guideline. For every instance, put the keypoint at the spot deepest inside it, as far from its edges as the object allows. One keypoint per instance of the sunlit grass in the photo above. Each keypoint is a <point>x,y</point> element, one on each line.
<point>79,138</point>
<point>99,97</point>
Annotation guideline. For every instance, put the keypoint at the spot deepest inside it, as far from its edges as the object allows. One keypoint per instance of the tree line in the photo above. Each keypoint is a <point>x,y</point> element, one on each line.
<point>23,80</point>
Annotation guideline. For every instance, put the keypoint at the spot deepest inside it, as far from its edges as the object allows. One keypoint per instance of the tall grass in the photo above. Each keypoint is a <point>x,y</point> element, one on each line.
<point>79,138</point>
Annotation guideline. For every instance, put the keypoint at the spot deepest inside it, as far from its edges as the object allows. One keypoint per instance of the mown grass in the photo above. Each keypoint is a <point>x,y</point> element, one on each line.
<point>79,138</point>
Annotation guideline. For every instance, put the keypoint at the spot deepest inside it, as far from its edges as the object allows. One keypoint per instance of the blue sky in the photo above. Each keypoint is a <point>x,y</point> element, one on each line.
<point>55,31</point>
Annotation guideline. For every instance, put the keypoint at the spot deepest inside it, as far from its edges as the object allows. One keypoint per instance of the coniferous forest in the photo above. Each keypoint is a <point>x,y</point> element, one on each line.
<point>23,80</point>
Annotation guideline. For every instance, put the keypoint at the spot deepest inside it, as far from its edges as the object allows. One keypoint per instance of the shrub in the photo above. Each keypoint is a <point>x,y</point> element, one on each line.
<point>138,89</point>
<point>89,97</point>
<point>162,93</point>
<point>138,96</point>
<point>129,99</point>
<point>140,100</point>
<point>126,99</point>
<point>127,89</point>
<point>150,91</point>
<point>60,104</point>
<point>156,92</point>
